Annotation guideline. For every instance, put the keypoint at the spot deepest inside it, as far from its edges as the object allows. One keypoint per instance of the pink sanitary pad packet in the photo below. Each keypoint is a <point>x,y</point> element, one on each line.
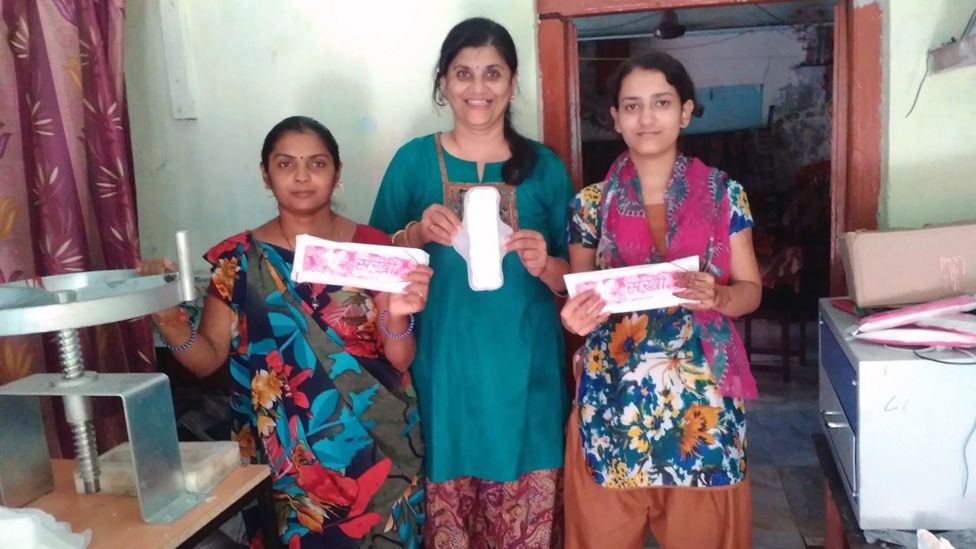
<point>915,313</point>
<point>366,266</point>
<point>914,336</point>
<point>959,322</point>
<point>634,288</point>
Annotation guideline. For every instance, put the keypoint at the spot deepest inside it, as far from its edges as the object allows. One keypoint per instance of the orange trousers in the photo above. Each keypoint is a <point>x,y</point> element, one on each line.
<point>679,517</point>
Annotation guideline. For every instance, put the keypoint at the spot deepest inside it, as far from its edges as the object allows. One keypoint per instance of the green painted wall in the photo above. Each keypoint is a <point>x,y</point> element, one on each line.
<point>930,161</point>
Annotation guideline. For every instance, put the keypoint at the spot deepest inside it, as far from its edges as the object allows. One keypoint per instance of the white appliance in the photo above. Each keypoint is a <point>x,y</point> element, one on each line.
<point>902,430</point>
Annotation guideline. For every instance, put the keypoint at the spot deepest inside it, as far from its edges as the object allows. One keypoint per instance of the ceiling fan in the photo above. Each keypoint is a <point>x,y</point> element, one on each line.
<point>669,28</point>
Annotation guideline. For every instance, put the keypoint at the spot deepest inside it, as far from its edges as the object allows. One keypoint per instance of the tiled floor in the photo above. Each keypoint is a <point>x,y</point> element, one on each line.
<point>783,462</point>
<point>787,485</point>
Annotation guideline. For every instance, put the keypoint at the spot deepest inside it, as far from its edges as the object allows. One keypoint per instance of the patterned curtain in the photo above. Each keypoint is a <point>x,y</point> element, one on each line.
<point>66,193</point>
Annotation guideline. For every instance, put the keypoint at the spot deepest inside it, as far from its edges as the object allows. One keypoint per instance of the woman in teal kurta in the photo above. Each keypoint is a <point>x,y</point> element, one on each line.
<point>488,364</point>
<point>488,369</point>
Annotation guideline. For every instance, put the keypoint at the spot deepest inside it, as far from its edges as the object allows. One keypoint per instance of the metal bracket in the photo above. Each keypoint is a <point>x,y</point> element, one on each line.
<point>25,464</point>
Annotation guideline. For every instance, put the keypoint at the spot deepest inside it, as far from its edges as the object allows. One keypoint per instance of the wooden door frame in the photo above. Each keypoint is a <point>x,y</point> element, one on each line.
<point>856,152</point>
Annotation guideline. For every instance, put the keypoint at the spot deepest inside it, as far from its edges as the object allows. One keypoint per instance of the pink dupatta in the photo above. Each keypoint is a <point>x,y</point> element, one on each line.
<point>698,218</point>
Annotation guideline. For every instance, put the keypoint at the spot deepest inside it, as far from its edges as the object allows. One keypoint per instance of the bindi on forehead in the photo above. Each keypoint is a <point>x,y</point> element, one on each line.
<point>302,157</point>
<point>470,66</point>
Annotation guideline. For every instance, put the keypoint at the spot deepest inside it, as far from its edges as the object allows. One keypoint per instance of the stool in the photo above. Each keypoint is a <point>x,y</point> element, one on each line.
<point>785,318</point>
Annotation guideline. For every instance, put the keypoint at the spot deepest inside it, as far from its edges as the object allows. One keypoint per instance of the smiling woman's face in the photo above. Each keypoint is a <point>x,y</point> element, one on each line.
<point>478,85</point>
<point>649,114</point>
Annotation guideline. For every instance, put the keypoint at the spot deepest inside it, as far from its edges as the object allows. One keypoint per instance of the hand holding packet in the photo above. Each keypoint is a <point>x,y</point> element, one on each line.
<point>366,266</point>
<point>636,288</point>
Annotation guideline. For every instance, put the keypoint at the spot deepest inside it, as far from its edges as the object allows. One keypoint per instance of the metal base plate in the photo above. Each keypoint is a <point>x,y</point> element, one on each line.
<point>25,464</point>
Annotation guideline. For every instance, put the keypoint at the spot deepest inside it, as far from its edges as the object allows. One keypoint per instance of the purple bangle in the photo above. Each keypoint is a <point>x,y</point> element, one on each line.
<point>390,335</point>
<point>183,346</point>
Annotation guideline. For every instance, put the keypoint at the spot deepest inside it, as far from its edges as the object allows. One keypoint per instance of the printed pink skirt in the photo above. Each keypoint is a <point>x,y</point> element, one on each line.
<point>470,513</point>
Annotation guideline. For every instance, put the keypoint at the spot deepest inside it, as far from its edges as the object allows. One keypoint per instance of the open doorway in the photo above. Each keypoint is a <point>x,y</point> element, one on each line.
<point>763,75</point>
<point>856,152</point>
<point>783,465</point>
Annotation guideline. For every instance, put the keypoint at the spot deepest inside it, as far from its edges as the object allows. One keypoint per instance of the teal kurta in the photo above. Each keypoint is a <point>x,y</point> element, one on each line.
<point>489,365</point>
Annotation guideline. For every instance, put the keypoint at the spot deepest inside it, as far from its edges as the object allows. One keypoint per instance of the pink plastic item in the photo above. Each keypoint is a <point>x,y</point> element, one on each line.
<point>914,313</point>
<point>959,322</point>
<point>635,288</point>
<point>918,337</point>
<point>366,266</point>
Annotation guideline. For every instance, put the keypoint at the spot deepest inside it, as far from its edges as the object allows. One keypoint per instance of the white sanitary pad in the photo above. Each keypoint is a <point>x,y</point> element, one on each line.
<point>481,238</point>
<point>35,528</point>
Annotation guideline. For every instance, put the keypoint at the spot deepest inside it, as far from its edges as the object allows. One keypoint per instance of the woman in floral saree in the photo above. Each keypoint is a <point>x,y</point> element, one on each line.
<point>657,439</point>
<point>321,389</point>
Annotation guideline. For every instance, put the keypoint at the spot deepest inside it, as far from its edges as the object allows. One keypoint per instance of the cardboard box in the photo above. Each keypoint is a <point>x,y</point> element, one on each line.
<point>899,267</point>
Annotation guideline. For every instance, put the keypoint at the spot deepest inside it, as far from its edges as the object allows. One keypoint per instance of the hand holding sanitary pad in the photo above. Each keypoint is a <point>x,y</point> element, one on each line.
<point>482,237</point>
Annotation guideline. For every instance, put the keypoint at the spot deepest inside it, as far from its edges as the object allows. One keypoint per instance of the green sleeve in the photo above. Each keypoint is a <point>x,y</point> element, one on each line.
<point>391,209</point>
<point>561,190</point>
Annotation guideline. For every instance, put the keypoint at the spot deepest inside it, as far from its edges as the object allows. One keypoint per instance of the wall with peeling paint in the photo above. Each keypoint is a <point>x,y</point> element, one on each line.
<point>774,57</point>
<point>930,164</point>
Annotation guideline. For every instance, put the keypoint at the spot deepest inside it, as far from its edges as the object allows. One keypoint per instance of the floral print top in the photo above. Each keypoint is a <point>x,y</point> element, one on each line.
<point>314,398</point>
<point>650,412</point>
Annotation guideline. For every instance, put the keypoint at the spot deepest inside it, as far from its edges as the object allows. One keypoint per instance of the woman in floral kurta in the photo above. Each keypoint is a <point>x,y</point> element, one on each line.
<point>648,370</point>
<point>320,388</point>
<point>657,439</point>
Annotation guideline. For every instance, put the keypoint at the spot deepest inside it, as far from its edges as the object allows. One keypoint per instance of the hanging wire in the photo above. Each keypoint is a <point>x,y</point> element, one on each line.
<point>624,24</point>
<point>962,362</point>
<point>673,48</point>
<point>693,46</point>
<point>918,92</point>
<point>965,462</point>
<point>771,14</point>
<point>969,25</point>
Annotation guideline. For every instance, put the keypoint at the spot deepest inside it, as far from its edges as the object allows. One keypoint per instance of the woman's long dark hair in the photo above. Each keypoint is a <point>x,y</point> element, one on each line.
<point>477,32</point>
